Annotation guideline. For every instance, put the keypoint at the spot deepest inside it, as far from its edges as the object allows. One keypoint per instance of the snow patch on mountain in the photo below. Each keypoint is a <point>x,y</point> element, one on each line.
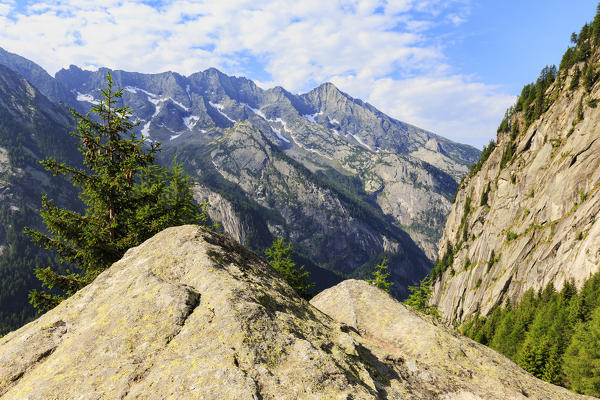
<point>256,111</point>
<point>154,98</point>
<point>359,140</point>
<point>219,108</point>
<point>178,103</point>
<point>146,129</point>
<point>275,130</point>
<point>279,135</point>
<point>190,121</point>
<point>311,117</point>
<point>134,90</point>
<point>87,97</point>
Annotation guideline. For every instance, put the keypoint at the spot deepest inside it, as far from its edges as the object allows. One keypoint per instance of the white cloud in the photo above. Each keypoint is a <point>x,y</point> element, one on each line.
<point>5,9</point>
<point>377,50</point>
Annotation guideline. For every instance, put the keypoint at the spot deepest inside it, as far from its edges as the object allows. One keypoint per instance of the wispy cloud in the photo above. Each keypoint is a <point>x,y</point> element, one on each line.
<point>385,52</point>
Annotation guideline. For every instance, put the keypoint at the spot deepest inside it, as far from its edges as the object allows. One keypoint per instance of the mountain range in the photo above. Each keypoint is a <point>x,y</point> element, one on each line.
<point>343,182</point>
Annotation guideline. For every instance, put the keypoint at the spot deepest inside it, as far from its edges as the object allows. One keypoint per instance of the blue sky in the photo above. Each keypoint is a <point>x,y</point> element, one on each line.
<point>508,42</point>
<point>449,66</point>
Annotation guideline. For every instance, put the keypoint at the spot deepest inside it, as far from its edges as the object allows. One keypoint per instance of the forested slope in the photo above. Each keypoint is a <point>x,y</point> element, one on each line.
<point>31,129</point>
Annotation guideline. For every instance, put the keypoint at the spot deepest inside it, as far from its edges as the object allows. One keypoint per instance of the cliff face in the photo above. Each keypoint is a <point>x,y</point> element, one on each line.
<point>191,314</point>
<point>533,220</point>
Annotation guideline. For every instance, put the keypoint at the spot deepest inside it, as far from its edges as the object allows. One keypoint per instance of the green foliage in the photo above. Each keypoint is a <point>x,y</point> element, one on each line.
<point>484,195</point>
<point>568,59</point>
<point>380,276</point>
<point>584,45</point>
<point>533,101</point>
<point>575,79</point>
<point>279,257</point>
<point>580,115</point>
<point>553,335</point>
<point>128,199</point>
<point>491,261</point>
<point>37,132</point>
<point>506,121</point>
<point>485,154</point>
<point>588,38</point>
<point>510,236</point>
<point>441,265</point>
<point>467,263</point>
<point>419,297</point>
<point>582,357</point>
<point>19,258</point>
<point>508,154</point>
<point>589,76</point>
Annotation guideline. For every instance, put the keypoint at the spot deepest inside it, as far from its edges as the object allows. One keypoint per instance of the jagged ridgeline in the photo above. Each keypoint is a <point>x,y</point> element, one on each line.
<point>519,257</point>
<point>341,181</point>
<point>344,183</point>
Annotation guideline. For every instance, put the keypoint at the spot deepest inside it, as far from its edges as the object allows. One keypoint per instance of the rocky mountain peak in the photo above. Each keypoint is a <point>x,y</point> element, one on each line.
<point>191,314</point>
<point>327,87</point>
<point>37,76</point>
<point>326,95</point>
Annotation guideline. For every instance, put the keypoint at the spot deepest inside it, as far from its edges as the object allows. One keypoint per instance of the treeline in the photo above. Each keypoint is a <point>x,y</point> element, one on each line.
<point>553,335</point>
<point>588,37</point>
<point>535,98</point>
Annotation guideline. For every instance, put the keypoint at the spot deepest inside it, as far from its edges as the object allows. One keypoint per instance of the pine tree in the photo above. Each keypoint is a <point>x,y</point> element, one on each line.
<point>575,79</point>
<point>553,367</point>
<point>279,257</point>
<point>419,297</point>
<point>128,199</point>
<point>380,276</point>
<point>582,358</point>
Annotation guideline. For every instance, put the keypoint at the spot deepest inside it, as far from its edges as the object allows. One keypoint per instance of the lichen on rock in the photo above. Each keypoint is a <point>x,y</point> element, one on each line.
<point>191,314</point>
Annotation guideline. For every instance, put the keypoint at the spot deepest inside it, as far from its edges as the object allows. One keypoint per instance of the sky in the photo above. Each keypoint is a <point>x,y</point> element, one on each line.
<point>448,66</point>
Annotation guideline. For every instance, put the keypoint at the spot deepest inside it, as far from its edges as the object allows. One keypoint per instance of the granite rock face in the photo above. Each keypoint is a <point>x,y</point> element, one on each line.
<point>540,222</point>
<point>192,314</point>
<point>188,314</point>
<point>433,361</point>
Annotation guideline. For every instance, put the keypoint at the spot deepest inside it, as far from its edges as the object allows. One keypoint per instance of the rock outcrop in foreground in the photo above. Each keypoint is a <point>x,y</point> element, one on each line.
<point>190,314</point>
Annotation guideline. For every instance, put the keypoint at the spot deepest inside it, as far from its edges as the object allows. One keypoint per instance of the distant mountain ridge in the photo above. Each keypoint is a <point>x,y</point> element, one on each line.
<point>342,181</point>
<point>213,99</point>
